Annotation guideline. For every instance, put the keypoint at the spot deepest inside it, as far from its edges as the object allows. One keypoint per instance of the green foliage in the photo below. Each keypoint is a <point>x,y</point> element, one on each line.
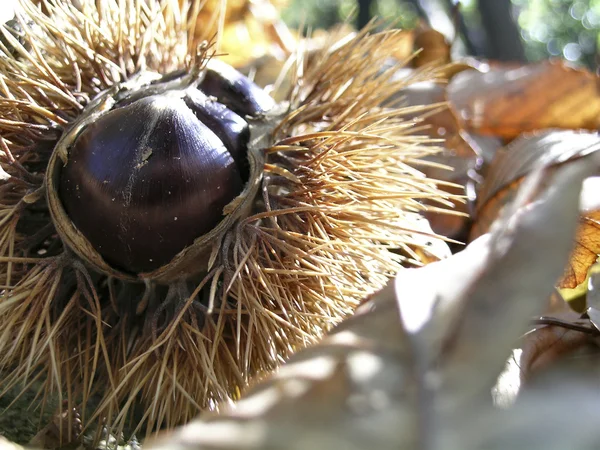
<point>568,29</point>
<point>327,13</point>
<point>317,13</point>
<point>402,14</point>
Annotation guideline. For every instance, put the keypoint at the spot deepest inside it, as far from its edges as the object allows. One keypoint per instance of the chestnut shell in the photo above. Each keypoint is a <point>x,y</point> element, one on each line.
<point>235,90</point>
<point>152,175</point>
<point>145,180</point>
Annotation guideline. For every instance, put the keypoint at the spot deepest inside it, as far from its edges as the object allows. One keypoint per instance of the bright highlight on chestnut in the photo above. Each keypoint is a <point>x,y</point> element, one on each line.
<point>153,173</point>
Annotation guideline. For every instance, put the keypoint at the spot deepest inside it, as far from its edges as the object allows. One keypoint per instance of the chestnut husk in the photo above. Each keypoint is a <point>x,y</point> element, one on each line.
<point>335,197</point>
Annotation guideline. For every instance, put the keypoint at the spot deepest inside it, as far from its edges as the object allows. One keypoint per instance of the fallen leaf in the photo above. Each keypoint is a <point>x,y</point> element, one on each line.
<point>508,102</point>
<point>432,47</point>
<point>586,251</point>
<point>506,173</point>
<point>558,334</point>
<point>395,374</point>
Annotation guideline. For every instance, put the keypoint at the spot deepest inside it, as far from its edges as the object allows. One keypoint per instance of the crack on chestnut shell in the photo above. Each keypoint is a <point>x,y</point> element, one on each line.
<point>153,174</point>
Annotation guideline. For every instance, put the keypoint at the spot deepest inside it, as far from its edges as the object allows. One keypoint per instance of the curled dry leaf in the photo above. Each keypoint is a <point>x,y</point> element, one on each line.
<point>508,102</point>
<point>507,171</point>
<point>428,345</point>
<point>585,252</point>
<point>559,333</point>
<point>432,46</point>
<point>587,249</point>
<point>547,345</point>
<point>433,49</point>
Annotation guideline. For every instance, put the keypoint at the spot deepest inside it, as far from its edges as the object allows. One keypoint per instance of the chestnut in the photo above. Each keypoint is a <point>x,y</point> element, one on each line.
<point>236,90</point>
<point>152,165</point>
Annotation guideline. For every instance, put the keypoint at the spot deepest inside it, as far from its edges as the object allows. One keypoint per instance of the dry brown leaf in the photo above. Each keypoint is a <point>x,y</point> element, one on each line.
<point>506,173</point>
<point>489,211</point>
<point>508,102</point>
<point>428,345</point>
<point>586,251</point>
<point>457,66</point>
<point>547,346</point>
<point>564,334</point>
<point>432,46</point>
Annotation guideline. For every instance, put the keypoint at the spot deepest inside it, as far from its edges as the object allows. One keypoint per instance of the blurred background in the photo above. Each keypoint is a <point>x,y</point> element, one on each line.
<point>506,30</point>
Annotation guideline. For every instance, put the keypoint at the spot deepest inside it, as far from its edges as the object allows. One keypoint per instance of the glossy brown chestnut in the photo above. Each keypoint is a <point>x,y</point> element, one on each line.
<point>154,173</point>
<point>235,90</point>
